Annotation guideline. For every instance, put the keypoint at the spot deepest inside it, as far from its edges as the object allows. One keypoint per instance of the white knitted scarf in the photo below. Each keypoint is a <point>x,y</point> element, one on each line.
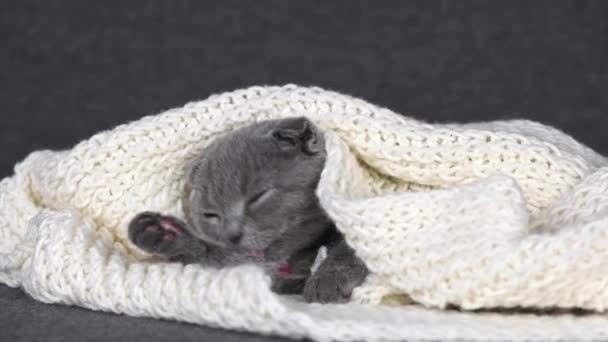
<point>494,214</point>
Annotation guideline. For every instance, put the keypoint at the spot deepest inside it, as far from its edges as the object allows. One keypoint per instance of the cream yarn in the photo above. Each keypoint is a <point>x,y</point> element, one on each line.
<point>509,213</point>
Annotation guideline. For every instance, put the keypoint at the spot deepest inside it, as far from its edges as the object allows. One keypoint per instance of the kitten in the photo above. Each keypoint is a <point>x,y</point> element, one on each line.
<point>250,198</point>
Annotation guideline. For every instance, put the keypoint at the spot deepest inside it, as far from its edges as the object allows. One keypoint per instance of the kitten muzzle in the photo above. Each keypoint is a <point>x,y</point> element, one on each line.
<point>282,269</point>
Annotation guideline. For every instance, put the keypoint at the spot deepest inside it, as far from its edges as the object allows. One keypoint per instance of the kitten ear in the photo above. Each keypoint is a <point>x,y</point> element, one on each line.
<point>297,133</point>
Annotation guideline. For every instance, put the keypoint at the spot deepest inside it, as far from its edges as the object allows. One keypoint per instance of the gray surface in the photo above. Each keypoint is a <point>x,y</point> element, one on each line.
<point>23,319</point>
<point>71,68</point>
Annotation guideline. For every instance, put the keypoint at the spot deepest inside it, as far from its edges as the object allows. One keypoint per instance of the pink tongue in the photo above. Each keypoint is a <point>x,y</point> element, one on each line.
<point>258,253</point>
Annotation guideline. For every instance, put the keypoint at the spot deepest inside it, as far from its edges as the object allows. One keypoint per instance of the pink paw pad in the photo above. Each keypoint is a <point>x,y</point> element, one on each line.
<point>152,228</point>
<point>169,237</point>
<point>171,226</point>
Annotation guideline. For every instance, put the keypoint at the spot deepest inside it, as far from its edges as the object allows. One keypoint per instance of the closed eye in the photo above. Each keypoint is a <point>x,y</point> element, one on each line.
<point>213,217</point>
<point>259,197</point>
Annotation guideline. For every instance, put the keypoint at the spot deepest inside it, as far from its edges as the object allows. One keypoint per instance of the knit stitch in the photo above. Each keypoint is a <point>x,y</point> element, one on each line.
<point>481,215</point>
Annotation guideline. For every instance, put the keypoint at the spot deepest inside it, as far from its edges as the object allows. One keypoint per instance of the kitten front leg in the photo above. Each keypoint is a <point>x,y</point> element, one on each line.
<point>336,277</point>
<point>165,235</point>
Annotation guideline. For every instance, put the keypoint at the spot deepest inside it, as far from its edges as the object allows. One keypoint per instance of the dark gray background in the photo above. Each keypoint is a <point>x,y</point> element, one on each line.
<point>71,68</point>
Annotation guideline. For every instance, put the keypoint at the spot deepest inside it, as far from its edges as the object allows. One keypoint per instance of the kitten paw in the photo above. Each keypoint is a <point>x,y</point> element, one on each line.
<point>155,233</point>
<point>329,286</point>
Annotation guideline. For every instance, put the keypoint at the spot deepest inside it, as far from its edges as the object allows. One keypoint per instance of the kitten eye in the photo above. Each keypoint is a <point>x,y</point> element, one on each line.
<point>259,197</point>
<point>211,216</point>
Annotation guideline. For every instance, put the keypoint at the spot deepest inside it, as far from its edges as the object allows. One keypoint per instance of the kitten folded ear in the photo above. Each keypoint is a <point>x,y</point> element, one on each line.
<point>297,133</point>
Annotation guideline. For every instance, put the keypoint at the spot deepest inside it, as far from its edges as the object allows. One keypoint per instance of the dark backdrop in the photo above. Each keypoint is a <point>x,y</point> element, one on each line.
<point>71,68</point>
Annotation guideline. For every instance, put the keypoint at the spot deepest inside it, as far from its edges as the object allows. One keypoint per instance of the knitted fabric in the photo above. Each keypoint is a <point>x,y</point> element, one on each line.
<point>495,214</point>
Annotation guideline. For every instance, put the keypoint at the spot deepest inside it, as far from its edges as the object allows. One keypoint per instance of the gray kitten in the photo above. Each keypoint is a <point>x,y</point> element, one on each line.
<point>250,198</point>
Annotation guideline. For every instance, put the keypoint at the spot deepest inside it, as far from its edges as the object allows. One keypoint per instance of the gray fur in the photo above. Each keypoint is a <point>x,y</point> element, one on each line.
<point>251,198</point>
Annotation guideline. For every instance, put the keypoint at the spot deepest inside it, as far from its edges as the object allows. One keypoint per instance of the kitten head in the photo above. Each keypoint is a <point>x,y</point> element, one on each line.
<point>251,186</point>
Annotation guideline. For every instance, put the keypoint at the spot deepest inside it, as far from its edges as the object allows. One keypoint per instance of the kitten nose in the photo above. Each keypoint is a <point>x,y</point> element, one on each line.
<point>235,237</point>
